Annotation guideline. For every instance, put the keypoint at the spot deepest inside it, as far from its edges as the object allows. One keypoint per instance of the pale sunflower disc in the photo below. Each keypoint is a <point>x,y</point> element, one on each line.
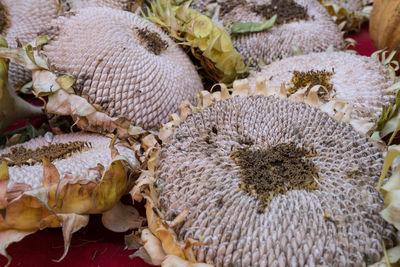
<point>357,80</point>
<point>125,65</point>
<point>93,149</point>
<point>27,18</point>
<point>314,34</point>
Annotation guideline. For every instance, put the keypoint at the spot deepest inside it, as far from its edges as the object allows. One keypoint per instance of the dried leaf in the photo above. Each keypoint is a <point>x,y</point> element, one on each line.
<point>241,87</point>
<point>392,153</point>
<point>122,218</point>
<point>142,253</point>
<point>24,213</point>
<point>66,81</point>
<point>4,178</point>
<point>16,189</point>
<point>7,238</point>
<point>391,213</point>
<point>50,173</point>
<point>74,196</point>
<point>133,241</point>
<point>112,187</point>
<point>153,247</point>
<point>70,224</point>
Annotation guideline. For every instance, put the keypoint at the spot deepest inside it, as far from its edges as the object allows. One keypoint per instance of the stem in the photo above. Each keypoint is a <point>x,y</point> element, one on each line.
<point>14,107</point>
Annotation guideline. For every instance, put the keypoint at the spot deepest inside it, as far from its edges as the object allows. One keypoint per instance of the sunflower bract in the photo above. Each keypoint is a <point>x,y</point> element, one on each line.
<point>222,63</point>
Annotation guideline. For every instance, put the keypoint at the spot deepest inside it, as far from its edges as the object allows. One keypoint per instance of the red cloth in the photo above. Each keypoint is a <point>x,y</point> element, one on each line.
<point>95,245</point>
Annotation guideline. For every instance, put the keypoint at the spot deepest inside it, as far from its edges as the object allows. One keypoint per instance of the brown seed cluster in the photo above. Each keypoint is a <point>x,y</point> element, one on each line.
<point>21,156</point>
<point>278,169</point>
<point>311,78</point>
<point>228,6</point>
<point>286,11</point>
<point>151,41</point>
<point>4,23</point>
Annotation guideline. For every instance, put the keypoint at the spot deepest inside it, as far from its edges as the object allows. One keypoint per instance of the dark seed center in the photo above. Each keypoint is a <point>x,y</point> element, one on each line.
<point>152,41</point>
<point>21,156</point>
<point>312,78</point>
<point>286,11</point>
<point>276,170</point>
<point>4,22</point>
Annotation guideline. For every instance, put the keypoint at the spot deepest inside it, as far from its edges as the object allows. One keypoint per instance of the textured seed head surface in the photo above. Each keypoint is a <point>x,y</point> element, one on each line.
<point>123,63</point>
<point>337,224</point>
<point>314,34</point>
<point>359,80</point>
<point>28,17</point>
<point>94,150</point>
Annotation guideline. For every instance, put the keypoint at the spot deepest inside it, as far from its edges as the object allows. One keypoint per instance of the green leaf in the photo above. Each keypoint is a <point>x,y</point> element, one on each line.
<point>246,27</point>
<point>27,132</point>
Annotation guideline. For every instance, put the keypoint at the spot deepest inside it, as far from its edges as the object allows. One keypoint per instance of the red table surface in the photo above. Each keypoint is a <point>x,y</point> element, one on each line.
<point>95,245</point>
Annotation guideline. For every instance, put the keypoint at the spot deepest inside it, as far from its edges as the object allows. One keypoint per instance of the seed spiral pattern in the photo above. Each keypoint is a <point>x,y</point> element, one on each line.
<point>117,68</point>
<point>337,225</point>
<point>315,34</point>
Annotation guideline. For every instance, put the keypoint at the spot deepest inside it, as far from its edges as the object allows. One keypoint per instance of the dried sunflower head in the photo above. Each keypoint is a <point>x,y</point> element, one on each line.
<point>264,181</point>
<point>349,87</point>
<point>350,13</point>
<point>55,181</point>
<point>300,25</point>
<point>24,19</point>
<point>110,70</point>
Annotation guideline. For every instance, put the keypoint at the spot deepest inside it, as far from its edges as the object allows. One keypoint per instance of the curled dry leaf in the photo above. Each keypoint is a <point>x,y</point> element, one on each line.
<point>210,43</point>
<point>133,241</point>
<point>70,223</point>
<point>391,189</point>
<point>349,15</point>
<point>7,238</point>
<point>122,218</point>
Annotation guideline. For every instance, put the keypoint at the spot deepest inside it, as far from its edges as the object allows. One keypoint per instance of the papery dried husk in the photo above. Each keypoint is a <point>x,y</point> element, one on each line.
<point>101,92</point>
<point>391,191</point>
<point>209,42</point>
<point>62,192</point>
<point>352,13</point>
